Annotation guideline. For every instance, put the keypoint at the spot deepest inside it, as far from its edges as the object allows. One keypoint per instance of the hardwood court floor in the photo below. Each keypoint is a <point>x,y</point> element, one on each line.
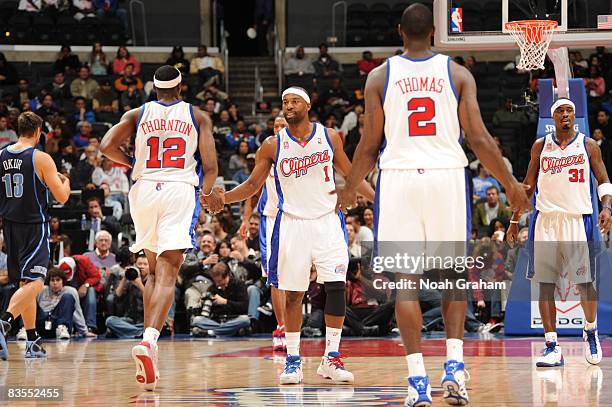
<point>244,373</point>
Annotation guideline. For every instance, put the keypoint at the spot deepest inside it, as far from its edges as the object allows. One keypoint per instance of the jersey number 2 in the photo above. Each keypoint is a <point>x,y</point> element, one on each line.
<point>423,110</point>
<point>577,175</point>
<point>13,187</point>
<point>173,155</point>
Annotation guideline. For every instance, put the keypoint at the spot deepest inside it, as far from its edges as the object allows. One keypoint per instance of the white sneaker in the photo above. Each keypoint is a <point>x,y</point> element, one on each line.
<point>145,357</point>
<point>61,332</point>
<point>551,356</point>
<point>419,392</point>
<point>592,347</point>
<point>277,343</point>
<point>292,374</point>
<point>332,367</point>
<point>22,335</point>
<point>453,383</point>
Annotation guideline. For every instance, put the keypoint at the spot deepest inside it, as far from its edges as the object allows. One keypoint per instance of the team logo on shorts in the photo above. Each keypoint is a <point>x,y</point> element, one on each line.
<point>581,271</point>
<point>158,186</point>
<point>340,269</point>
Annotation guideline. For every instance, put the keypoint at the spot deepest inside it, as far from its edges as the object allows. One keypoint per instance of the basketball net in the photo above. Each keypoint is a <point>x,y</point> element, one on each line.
<point>563,72</point>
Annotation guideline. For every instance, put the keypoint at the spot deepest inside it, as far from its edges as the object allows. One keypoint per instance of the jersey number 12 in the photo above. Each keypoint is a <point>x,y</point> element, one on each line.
<point>173,155</point>
<point>423,110</point>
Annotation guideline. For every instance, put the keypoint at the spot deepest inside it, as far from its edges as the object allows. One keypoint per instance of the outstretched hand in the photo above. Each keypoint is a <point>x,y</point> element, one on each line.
<point>215,201</point>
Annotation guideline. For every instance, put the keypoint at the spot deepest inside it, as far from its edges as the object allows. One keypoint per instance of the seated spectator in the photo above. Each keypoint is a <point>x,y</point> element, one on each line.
<point>336,99</point>
<point>85,8</point>
<point>352,138</point>
<point>221,98</point>
<point>507,115</point>
<point>209,68</point>
<point>8,73</point>
<point>482,182</point>
<point>59,309</point>
<point>47,107</point>
<point>252,240</point>
<point>81,173</point>
<point>362,232</point>
<point>240,134</point>
<point>110,8</point>
<point>132,98</point>
<point>206,253</point>
<point>595,84</point>
<point>114,177</point>
<point>218,229</point>
<point>98,60</point>
<point>24,92</point>
<point>234,113</point>
<point>84,85</point>
<point>228,220</point>
<point>228,314</point>
<point>101,256</point>
<point>177,60</point>
<point>111,202</point>
<point>7,136</point>
<point>127,78</point>
<point>367,63</point>
<point>326,66</point>
<point>580,66</point>
<point>513,253</point>
<point>354,247</point>
<point>242,174</point>
<point>83,275</point>
<point>82,112</point>
<point>128,321</point>
<point>351,120</point>
<point>125,259</point>
<point>96,221</point>
<point>222,126</point>
<point>59,89</point>
<point>603,123</point>
<point>105,102</point>
<point>299,64</point>
<point>81,139</point>
<point>243,262</point>
<point>66,61</point>
<point>123,59</point>
<point>238,160</point>
<point>65,159</point>
<point>487,211</point>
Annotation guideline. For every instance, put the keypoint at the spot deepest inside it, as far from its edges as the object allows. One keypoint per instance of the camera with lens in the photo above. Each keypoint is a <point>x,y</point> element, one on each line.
<point>131,273</point>
<point>207,302</point>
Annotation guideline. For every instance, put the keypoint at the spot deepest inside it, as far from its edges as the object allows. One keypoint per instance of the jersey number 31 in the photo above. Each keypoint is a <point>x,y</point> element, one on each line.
<point>173,155</point>
<point>422,111</point>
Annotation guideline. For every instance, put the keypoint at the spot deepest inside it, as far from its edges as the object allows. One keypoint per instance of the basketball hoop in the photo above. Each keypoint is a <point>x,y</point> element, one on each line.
<point>533,38</point>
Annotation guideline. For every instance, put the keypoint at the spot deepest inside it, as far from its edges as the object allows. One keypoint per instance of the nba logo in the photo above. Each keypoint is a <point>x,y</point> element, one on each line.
<point>456,20</point>
<point>286,145</point>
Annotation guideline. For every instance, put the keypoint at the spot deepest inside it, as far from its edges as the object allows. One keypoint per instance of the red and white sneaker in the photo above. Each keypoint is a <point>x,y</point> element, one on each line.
<point>332,367</point>
<point>277,343</point>
<point>145,357</point>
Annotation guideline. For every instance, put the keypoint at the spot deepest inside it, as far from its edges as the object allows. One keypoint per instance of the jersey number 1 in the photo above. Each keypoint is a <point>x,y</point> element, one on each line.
<point>173,155</point>
<point>423,110</point>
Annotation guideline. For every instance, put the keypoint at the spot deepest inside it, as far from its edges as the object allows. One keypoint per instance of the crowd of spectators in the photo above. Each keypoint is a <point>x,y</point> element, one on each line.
<point>96,285</point>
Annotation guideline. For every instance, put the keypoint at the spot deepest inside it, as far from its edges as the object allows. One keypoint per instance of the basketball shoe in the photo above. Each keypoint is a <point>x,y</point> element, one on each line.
<point>551,356</point>
<point>592,347</point>
<point>419,392</point>
<point>5,327</point>
<point>35,350</point>
<point>453,383</point>
<point>279,343</point>
<point>292,374</point>
<point>145,357</point>
<point>332,367</point>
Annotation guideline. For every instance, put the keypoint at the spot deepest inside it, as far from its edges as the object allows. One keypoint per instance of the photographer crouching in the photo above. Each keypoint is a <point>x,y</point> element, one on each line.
<point>226,302</point>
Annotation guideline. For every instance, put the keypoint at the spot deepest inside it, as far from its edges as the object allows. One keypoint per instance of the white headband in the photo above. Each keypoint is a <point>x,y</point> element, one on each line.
<point>296,91</point>
<point>561,102</point>
<point>172,83</point>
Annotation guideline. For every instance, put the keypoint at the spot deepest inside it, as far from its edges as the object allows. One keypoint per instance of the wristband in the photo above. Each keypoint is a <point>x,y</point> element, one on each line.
<point>606,206</point>
<point>604,189</point>
<point>208,194</point>
<point>514,222</point>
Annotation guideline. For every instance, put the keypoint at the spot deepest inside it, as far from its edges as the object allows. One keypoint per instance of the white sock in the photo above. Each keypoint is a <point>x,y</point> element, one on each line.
<point>416,366</point>
<point>590,325</point>
<point>454,349</point>
<point>150,335</point>
<point>332,339</point>
<point>293,343</point>
<point>551,337</point>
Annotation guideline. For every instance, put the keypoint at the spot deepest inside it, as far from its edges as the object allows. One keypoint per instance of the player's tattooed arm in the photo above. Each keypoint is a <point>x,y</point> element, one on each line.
<point>118,135</point>
<point>601,175</point>
<point>264,159</point>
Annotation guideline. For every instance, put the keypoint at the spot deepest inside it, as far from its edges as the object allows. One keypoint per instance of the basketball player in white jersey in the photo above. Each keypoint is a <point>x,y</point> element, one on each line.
<point>562,164</point>
<point>173,147</point>
<point>307,229</point>
<point>267,207</point>
<point>416,105</point>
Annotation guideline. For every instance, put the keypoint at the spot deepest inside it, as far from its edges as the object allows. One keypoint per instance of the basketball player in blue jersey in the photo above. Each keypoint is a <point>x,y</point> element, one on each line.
<point>307,229</point>
<point>559,173</point>
<point>173,147</point>
<point>267,207</point>
<point>27,174</point>
<point>416,105</point>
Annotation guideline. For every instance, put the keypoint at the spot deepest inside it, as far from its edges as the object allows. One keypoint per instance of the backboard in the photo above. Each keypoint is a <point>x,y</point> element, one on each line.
<point>479,24</point>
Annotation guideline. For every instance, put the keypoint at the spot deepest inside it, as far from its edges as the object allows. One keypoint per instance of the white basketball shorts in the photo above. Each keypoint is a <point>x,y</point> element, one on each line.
<point>164,215</point>
<point>424,212</point>
<point>296,244</point>
<point>561,248</point>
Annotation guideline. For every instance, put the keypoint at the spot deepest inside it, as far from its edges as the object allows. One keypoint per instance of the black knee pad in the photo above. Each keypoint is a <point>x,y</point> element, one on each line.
<point>335,302</point>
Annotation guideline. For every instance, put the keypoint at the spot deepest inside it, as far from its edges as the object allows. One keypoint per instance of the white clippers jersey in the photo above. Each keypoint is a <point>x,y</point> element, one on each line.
<point>564,180</point>
<point>268,201</point>
<point>305,174</point>
<point>421,121</point>
<point>166,146</point>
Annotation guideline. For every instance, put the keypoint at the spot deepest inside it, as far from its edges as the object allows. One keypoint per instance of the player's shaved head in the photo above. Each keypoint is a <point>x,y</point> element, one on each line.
<point>417,22</point>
